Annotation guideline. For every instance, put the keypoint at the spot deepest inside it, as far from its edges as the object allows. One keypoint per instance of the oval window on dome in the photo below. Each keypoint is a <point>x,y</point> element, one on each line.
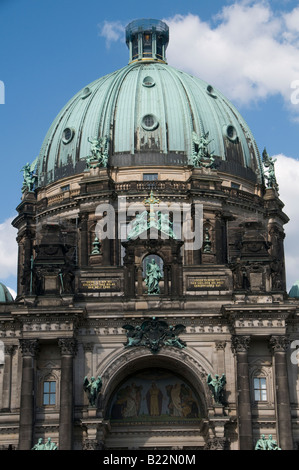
<point>230,132</point>
<point>67,135</point>
<point>148,82</point>
<point>149,122</point>
<point>210,91</point>
<point>86,92</point>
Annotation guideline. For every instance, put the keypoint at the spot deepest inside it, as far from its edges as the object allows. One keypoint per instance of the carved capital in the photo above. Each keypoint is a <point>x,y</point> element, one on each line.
<point>10,349</point>
<point>68,346</point>
<point>240,344</point>
<point>217,443</point>
<point>91,444</point>
<point>279,343</point>
<point>29,347</point>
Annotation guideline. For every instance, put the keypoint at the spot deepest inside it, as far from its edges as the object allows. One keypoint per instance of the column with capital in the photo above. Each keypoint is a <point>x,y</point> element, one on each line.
<point>29,348</point>
<point>68,348</point>
<point>279,346</point>
<point>240,346</point>
<point>9,350</point>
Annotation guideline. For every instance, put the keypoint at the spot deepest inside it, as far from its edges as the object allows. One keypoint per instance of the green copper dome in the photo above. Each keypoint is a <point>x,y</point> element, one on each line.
<point>294,291</point>
<point>5,295</point>
<point>150,113</point>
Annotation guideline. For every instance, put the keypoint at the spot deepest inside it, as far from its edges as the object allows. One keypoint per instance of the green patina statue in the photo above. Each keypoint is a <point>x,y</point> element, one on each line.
<point>138,226</point>
<point>30,178</point>
<point>145,221</point>
<point>266,444</point>
<point>99,153</point>
<point>216,386</point>
<point>92,388</point>
<point>153,276</point>
<point>201,157</point>
<point>49,445</point>
<point>270,172</point>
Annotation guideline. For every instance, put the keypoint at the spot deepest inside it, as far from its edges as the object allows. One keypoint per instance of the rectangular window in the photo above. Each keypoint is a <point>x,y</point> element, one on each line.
<point>49,393</point>
<point>260,389</point>
<point>65,188</point>
<point>150,176</point>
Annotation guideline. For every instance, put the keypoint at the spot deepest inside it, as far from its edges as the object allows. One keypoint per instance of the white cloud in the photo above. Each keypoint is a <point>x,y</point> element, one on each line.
<point>287,173</point>
<point>8,250</point>
<point>111,30</point>
<point>249,53</point>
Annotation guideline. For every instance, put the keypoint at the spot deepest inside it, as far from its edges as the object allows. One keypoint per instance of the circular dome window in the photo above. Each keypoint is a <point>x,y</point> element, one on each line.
<point>230,132</point>
<point>86,92</point>
<point>67,135</point>
<point>148,82</point>
<point>149,122</point>
<point>210,91</point>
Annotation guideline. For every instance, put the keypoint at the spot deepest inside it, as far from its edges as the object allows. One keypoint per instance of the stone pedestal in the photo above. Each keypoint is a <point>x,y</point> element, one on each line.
<point>96,429</point>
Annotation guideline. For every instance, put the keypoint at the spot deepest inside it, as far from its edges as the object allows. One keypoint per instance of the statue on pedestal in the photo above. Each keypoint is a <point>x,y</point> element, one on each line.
<point>216,386</point>
<point>92,388</point>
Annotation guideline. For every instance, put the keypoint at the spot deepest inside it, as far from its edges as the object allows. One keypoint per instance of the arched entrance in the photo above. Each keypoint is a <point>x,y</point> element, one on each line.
<point>155,402</point>
<point>155,408</point>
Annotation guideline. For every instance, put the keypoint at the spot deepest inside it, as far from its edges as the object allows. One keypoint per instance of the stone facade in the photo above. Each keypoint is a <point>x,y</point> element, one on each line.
<point>83,308</point>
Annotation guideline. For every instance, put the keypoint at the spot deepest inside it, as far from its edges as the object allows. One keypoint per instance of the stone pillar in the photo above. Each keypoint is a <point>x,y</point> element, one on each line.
<point>68,349</point>
<point>220,348</point>
<point>83,226</point>
<point>29,349</point>
<point>279,345</point>
<point>7,379</point>
<point>240,345</point>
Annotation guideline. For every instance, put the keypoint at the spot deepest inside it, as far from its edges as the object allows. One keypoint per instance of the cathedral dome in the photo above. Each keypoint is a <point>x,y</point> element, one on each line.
<point>5,295</point>
<point>151,114</point>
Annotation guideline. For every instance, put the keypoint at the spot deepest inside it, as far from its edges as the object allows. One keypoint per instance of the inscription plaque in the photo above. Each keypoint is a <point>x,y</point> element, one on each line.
<point>206,283</point>
<point>100,285</point>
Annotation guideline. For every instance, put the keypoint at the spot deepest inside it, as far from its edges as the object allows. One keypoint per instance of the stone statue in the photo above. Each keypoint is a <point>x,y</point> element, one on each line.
<point>92,388</point>
<point>99,152</point>
<point>266,444</point>
<point>30,178</point>
<point>153,276</point>
<point>216,386</point>
<point>39,446</point>
<point>270,176</point>
<point>207,242</point>
<point>154,334</point>
<point>201,156</point>
<point>49,445</point>
<point>139,225</point>
<point>165,225</point>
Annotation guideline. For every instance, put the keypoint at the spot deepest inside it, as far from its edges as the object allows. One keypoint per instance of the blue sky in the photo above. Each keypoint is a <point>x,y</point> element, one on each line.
<point>50,49</point>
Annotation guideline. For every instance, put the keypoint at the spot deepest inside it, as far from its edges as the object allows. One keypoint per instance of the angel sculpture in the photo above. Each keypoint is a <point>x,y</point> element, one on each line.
<point>172,338</point>
<point>30,179</point>
<point>138,225</point>
<point>134,335</point>
<point>92,388</point>
<point>216,386</point>
<point>99,152</point>
<point>201,156</point>
<point>269,163</point>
